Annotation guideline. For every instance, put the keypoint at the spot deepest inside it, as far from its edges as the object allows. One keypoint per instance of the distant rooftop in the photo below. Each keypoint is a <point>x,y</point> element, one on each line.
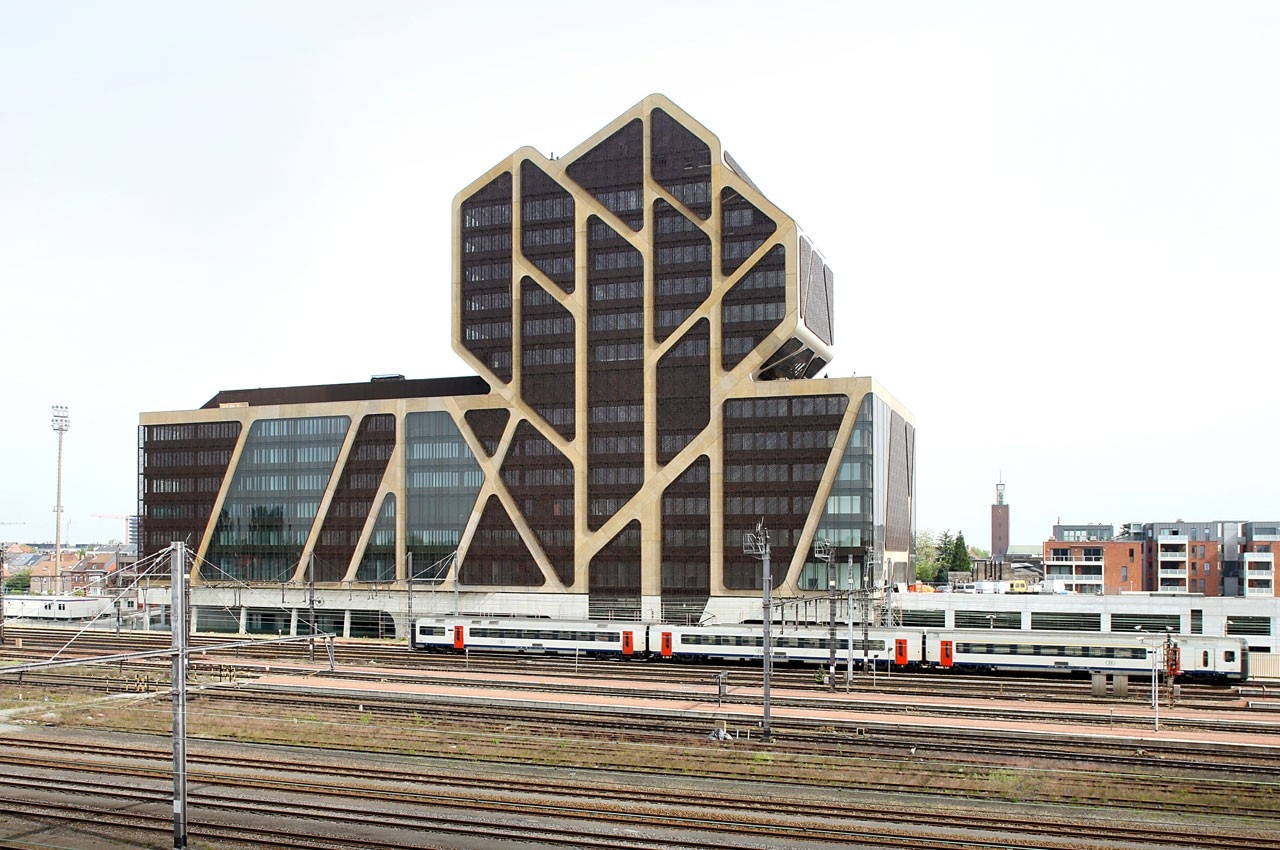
<point>381,387</point>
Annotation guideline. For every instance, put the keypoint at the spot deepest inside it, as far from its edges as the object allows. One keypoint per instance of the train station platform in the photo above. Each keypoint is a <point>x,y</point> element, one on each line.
<point>742,706</point>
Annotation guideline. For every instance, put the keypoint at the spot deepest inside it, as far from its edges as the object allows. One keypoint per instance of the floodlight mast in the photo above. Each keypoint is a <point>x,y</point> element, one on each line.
<point>61,424</point>
<point>757,546</point>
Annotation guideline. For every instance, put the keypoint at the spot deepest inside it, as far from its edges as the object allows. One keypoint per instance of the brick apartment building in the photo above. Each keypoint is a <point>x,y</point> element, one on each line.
<point>1219,558</point>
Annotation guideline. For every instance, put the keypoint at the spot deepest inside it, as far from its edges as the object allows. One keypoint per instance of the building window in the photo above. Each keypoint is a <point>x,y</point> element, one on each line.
<point>1124,573</point>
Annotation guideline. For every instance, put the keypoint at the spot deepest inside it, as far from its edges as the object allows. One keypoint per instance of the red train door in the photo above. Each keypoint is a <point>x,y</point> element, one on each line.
<point>900,651</point>
<point>459,637</point>
<point>627,646</point>
<point>948,658</point>
<point>666,644</point>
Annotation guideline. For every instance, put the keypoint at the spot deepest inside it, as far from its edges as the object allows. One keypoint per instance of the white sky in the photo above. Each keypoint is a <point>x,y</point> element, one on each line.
<point>1054,226</point>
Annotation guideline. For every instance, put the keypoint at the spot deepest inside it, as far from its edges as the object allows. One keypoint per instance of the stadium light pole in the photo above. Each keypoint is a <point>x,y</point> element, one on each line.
<point>61,424</point>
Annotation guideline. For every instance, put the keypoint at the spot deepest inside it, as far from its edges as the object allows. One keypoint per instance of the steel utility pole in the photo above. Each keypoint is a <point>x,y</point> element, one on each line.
<point>61,424</point>
<point>311,605</point>
<point>822,551</point>
<point>178,628</point>
<point>870,571</point>
<point>757,545</point>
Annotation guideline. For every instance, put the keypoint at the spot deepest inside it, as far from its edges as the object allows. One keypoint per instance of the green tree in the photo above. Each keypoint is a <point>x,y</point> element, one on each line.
<point>928,564</point>
<point>944,545</point>
<point>960,561</point>
<point>18,583</point>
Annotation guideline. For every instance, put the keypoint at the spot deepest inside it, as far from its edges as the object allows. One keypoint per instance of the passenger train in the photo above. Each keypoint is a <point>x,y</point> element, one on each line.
<point>1197,656</point>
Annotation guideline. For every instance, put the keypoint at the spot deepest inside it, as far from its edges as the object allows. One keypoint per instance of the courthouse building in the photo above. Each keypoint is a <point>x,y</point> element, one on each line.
<point>650,338</point>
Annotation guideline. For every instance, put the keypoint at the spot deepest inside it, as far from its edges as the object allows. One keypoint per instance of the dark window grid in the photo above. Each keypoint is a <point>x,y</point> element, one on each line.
<point>191,509</point>
<point>482,216</point>
<point>536,482</point>
<point>615,569</point>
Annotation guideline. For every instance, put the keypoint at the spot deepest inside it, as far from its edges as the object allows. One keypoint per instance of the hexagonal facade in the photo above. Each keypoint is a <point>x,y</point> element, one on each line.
<point>648,331</point>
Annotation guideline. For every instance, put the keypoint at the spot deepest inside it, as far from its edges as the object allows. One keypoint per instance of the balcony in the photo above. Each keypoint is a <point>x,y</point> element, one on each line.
<point>1173,554</point>
<point>1259,588</point>
<point>1170,573</point>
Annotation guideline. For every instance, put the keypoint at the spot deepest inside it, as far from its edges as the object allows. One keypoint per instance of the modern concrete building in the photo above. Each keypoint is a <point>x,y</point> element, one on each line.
<point>649,335</point>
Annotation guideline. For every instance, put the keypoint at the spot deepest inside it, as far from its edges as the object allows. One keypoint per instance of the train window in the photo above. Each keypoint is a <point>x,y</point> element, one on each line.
<point>1205,659</point>
<point>1073,651</point>
<point>1229,656</point>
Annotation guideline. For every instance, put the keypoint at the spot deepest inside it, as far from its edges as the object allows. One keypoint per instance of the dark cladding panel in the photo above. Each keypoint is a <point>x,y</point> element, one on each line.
<point>684,391</point>
<point>681,271</point>
<point>776,450</point>
<point>486,253</point>
<point>817,293</point>
<point>353,498</point>
<point>754,307</point>
<point>806,258</point>
<point>488,424</point>
<point>615,569</point>
<point>540,479</point>
<point>680,163</point>
<point>546,225</point>
<point>613,172</point>
<point>547,357</point>
<point>615,378</point>
<point>744,228</point>
<point>497,555</point>
<point>686,534</point>
<point>897,526</point>
<point>180,471</point>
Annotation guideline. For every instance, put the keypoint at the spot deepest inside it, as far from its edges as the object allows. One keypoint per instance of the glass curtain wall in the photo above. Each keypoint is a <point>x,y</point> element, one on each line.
<point>274,496</point>
<point>442,480</point>
<point>379,561</point>
<point>847,522</point>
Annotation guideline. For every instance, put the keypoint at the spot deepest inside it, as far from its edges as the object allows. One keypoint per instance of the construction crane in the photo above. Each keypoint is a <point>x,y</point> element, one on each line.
<point>126,517</point>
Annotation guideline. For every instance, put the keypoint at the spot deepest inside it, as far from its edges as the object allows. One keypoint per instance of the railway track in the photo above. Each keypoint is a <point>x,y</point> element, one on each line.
<point>356,652</point>
<point>450,804</point>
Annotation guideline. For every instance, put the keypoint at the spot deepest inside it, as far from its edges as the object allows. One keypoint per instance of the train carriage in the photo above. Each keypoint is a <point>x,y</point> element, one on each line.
<point>805,644</point>
<point>622,640</point>
<point>1197,656</point>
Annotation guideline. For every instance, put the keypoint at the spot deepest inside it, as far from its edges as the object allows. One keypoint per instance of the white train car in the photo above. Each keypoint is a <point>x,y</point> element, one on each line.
<point>1253,620</point>
<point>1198,656</point>
<point>500,634</point>
<point>806,644</point>
<point>65,607</point>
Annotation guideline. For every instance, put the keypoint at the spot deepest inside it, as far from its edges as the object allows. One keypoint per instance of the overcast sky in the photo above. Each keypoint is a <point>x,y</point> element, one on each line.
<point>1055,227</point>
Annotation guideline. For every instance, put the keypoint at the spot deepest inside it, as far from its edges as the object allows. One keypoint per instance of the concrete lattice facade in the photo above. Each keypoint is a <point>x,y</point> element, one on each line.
<point>648,331</point>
